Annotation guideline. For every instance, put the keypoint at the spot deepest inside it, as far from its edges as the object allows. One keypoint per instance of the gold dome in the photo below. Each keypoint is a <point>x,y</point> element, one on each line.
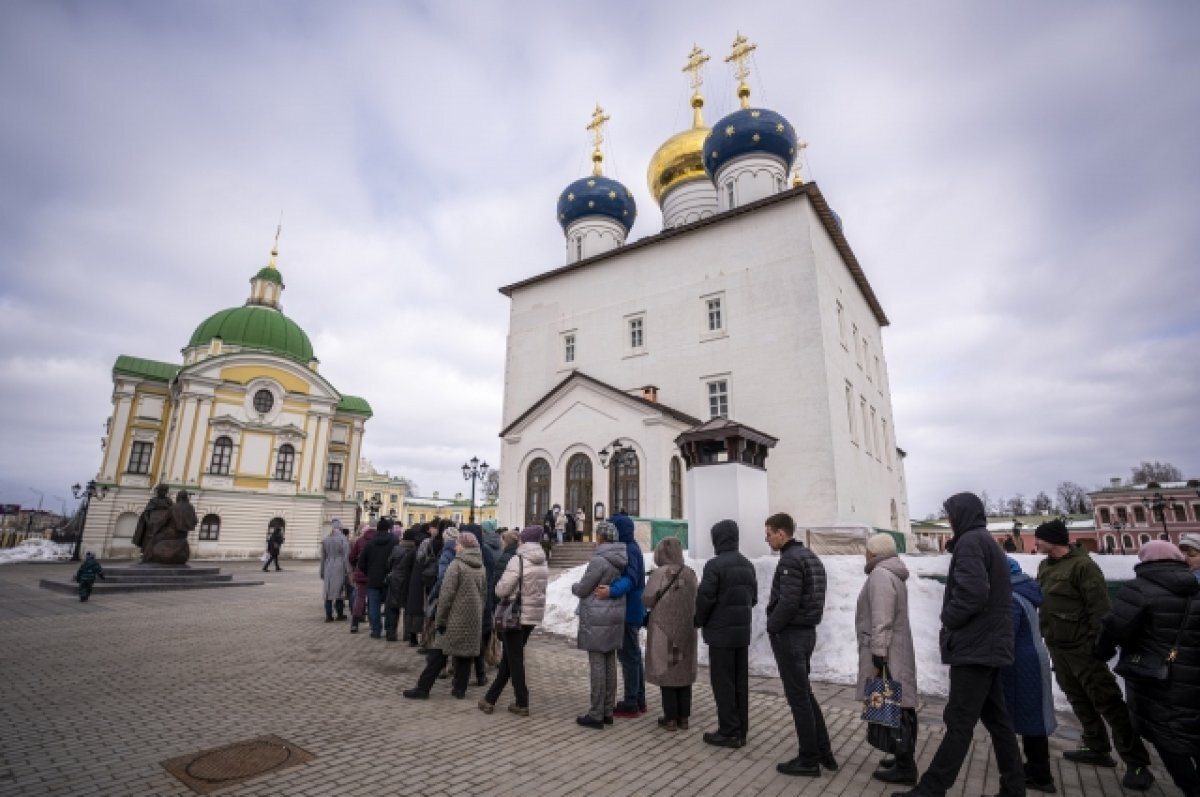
<point>679,159</point>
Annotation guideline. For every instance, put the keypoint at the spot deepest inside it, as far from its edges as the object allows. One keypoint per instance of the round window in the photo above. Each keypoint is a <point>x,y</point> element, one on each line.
<point>264,400</point>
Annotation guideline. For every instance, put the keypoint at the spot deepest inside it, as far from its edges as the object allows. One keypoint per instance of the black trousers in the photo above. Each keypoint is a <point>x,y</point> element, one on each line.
<point>729,674</point>
<point>793,648</point>
<point>676,702</point>
<point>975,694</point>
<point>1037,758</point>
<point>435,662</point>
<point>512,666</point>
<point>1184,769</point>
<point>274,558</point>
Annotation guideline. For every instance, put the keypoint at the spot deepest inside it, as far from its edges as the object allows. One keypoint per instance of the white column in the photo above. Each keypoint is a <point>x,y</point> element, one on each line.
<point>116,437</point>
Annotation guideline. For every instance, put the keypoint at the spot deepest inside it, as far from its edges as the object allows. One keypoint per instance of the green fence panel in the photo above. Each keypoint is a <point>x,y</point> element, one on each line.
<point>660,529</point>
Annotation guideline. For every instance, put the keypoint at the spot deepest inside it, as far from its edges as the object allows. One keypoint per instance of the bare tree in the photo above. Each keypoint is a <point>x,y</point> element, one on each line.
<point>1001,506</point>
<point>1016,504</point>
<point>987,503</point>
<point>1072,498</point>
<point>1156,472</point>
<point>491,484</point>
<point>1042,504</point>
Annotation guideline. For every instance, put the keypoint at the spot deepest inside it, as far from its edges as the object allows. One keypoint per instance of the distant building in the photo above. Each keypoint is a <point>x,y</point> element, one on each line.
<point>458,509</point>
<point>1125,516</point>
<point>246,424</point>
<point>391,490</point>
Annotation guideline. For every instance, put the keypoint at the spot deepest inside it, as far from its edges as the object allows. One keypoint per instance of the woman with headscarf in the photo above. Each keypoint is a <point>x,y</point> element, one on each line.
<point>1027,689</point>
<point>335,569</point>
<point>1157,616</point>
<point>885,644</point>
<point>525,573</point>
<point>457,621</point>
<point>358,577</point>
<point>671,633</point>
<point>489,566</point>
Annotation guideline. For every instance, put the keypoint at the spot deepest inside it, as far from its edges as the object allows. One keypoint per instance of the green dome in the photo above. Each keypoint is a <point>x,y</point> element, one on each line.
<point>269,274</point>
<point>255,327</point>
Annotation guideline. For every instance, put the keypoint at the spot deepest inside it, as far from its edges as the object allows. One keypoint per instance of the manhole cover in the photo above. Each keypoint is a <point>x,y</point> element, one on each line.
<point>210,770</point>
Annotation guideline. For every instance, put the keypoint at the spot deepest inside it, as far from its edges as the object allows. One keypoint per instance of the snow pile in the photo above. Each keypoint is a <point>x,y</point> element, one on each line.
<point>836,656</point>
<point>34,550</point>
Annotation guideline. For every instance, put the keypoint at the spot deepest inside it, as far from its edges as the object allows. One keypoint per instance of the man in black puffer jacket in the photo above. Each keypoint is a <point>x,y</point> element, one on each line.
<point>1156,613</point>
<point>373,562</point>
<point>793,613</point>
<point>724,612</point>
<point>976,641</point>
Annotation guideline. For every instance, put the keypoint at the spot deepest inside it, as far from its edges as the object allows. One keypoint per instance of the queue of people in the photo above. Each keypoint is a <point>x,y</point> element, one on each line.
<point>1000,632</point>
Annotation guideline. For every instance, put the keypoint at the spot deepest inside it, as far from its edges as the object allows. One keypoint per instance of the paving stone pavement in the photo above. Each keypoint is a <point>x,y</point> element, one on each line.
<point>95,695</point>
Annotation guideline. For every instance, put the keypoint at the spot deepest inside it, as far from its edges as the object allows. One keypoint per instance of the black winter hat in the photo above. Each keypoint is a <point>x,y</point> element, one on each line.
<point>384,524</point>
<point>1053,532</point>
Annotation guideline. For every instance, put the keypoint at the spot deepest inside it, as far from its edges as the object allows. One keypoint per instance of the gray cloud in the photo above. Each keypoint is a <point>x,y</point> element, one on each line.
<point>1018,181</point>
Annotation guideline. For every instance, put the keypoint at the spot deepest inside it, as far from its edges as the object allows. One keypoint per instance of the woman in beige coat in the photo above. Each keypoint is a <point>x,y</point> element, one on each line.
<point>885,641</point>
<point>671,634</point>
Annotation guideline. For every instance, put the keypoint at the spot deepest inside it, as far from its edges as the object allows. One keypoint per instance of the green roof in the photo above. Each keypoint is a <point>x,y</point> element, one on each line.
<point>147,369</point>
<point>256,327</point>
<point>354,404</point>
<point>269,274</point>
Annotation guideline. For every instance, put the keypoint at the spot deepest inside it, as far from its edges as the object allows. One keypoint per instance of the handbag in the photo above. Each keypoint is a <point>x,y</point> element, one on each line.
<point>1147,666</point>
<point>895,741</point>
<point>493,651</point>
<point>881,700</point>
<point>266,557</point>
<point>658,596</point>
<point>508,613</point>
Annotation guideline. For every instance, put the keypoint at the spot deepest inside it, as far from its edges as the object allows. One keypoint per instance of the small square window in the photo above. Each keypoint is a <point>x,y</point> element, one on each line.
<point>637,337</point>
<point>718,399</point>
<point>139,457</point>
<point>714,315</point>
<point>569,348</point>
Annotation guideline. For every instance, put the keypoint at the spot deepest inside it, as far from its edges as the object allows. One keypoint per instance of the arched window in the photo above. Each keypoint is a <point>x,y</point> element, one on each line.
<point>210,527</point>
<point>623,492</point>
<point>1144,538</point>
<point>537,491</point>
<point>1162,535</point>
<point>1110,543</point>
<point>1127,542</point>
<point>222,456</point>
<point>285,462</point>
<point>579,489</point>
<point>676,488</point>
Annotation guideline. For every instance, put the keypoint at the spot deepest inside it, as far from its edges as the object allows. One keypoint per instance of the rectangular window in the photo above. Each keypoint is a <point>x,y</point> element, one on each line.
<point>1122,515</point>
<point>1180,513</point>
<point>410,518</point>
<point>867,358</point>
<point>866,424</point>
<point>887,447</point>
<point>568,348</point>
<point>875,431</point>
<point>333,476</point>
<point>359,495</point>
<point>841,322</point>
<point>1105,517</point>
<point>139,457</point>
<point>850,411</point>
<point>1139,515</point>
<point>210,528</point>
<point>878,374</point>
<point>637,337</point>
<point>714,315</point>
<point>857,344</point>
<point>718,399</point>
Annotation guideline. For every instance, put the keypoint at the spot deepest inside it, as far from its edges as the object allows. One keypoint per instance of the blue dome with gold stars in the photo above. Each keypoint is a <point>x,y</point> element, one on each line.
<point>596,196</point>
<point>749,131</point>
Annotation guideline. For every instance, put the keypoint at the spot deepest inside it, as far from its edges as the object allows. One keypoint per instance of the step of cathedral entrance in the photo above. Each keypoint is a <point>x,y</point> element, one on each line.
<point>152,578</point>
<point>571,554</point>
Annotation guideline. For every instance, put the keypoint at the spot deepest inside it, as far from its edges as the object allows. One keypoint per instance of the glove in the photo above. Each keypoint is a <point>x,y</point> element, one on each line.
<point>441,629</point>
<point>878,661</point>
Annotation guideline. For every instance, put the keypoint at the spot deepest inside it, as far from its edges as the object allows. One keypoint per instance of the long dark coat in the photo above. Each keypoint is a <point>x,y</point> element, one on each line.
<point>1027,689</point>
<point>671,635</point>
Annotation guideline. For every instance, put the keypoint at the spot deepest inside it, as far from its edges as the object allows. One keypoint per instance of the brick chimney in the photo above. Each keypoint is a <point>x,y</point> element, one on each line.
<point>1115,481</point>
<point>650,393</point>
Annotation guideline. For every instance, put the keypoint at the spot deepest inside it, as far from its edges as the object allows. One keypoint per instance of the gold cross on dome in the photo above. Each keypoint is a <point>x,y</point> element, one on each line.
<point>596,126</point>
<point>741,49</point>
<point>696,59</point>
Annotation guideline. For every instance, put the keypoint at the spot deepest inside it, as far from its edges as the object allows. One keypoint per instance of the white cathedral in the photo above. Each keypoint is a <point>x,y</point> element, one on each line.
<point>750,306</point>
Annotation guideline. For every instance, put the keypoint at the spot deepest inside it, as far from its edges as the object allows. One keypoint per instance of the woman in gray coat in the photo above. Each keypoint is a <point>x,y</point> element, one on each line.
<point>671,633</point>
<point>601,624</point>
<point>335,570</point>
<point>885,642</point>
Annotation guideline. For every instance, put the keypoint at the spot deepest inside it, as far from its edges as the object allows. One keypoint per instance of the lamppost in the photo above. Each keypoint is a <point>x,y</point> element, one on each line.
<point>1118,526</point>
<point>86,494</point>
<point>1159,506</point>
<point>473,471</point>
<point>372,505</point>
<point>621,455</point>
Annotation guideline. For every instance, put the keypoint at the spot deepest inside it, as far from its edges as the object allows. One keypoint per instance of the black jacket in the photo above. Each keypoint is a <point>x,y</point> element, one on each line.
<point>797,590</point>
<point>414,605</point>
<point>728,592</point>
<point>1147,616</point>
<point>977,604</point>
<point>374,558</point>
<point>399,569</point>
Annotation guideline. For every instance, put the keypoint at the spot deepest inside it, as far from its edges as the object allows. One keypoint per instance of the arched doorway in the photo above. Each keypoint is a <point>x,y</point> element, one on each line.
<point>537,491</point>
<point>579,490</point>
<point>624,495</point>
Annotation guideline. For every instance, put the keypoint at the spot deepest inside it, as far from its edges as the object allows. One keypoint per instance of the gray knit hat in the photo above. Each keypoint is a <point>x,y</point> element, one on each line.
<point>606,532</point>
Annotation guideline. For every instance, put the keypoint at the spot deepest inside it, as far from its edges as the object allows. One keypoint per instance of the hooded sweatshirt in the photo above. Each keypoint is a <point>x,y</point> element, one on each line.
<point>632,583</point>
<point>728,592</point>
<point>977,604</point>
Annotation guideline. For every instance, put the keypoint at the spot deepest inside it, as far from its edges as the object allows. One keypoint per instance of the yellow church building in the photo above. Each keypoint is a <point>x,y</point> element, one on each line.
<point>246,424</point>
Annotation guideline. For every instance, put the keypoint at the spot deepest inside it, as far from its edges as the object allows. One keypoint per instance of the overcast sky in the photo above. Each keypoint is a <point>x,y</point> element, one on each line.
<point>1019,181</point>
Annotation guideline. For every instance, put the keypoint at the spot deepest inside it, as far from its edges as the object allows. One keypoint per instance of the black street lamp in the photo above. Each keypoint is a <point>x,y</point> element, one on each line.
<point>372,505</point>
<point>473,471</point>
<point>1159,506</point>
<point>621,454</point>
<point>87,494</point>
<point>1118,526</point>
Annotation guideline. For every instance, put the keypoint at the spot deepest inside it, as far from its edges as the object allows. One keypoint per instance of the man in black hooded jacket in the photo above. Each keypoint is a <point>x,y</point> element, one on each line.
<point>724,612</point>
<point>976,641</point>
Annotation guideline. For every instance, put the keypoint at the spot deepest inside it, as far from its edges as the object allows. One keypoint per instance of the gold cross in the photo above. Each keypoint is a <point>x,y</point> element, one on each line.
<point>741,49</point>
<point>696,60</point>
<point>599,117</point>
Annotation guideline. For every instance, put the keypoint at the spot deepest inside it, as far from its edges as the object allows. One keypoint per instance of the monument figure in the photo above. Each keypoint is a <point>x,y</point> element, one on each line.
<point>163,528</point>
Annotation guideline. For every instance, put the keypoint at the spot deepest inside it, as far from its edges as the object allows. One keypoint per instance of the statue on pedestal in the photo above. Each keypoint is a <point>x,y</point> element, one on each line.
<point>163,528</point>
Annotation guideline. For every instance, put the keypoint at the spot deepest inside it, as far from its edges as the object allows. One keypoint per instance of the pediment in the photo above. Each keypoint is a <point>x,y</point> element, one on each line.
<point>580,399</point>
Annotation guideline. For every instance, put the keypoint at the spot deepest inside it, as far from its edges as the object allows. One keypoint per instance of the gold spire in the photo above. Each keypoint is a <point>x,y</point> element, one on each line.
<point>797,178</point>
<point>696,60</point>
<point>597,128</point>
<point>741,49</point>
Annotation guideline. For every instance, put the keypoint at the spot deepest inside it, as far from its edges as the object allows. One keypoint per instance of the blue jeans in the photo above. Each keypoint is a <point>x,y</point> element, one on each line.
<point>633,669</point>
<point>374,603</point>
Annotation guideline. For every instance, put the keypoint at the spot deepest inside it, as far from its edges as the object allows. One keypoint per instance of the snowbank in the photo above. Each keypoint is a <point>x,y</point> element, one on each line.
<point>836,656</point>
<point>36,551</point>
